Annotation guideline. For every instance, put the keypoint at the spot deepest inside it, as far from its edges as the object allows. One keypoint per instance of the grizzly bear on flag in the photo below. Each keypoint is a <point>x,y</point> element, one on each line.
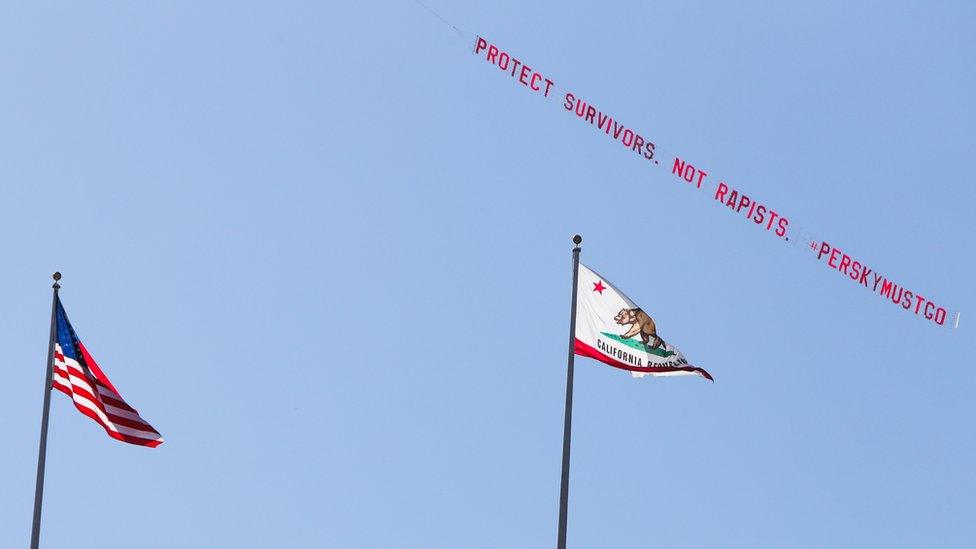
<point>640,323</point>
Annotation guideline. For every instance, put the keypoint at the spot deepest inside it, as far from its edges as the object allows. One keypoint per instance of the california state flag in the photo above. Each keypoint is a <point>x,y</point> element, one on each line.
<point>612,329</point>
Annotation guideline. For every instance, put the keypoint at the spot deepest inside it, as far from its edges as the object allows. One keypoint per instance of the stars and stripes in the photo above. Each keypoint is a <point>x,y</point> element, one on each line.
<point>77,375</point>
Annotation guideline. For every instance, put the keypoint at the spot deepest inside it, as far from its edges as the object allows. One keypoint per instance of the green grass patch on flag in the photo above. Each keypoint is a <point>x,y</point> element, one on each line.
<point>636,343</point>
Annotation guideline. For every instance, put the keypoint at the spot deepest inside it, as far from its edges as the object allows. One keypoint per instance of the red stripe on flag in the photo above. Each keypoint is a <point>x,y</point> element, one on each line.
<point>116,435</point>
<point>116,402</point>
<point>116,420</point>
<point>81,389</point>
<point>95,370</point>
<point>583,349</point>
<point>131,423</point>
<point>82,394</point>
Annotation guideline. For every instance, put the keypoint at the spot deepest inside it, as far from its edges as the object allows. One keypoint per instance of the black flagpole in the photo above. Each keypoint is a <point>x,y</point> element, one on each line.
<point>42,450</point>
<point>568,423</point>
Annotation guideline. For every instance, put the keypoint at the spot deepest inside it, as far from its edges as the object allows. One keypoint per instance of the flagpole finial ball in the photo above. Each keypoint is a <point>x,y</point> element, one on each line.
<point>56,276</point>
<point>577,240</point>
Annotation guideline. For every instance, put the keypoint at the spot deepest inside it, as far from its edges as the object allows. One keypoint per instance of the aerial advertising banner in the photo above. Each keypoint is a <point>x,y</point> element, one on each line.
<point>750,208</point>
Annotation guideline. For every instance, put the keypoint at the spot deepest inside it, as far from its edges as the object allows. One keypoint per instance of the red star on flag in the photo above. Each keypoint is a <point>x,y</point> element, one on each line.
<point>599,287</point>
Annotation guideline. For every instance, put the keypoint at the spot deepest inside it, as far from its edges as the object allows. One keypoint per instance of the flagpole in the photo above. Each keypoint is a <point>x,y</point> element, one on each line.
<point>568,421</point>
<point>42,450</point>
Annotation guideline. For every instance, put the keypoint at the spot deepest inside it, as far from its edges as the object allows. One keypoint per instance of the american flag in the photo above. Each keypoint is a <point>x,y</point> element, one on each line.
<point>75,374</point>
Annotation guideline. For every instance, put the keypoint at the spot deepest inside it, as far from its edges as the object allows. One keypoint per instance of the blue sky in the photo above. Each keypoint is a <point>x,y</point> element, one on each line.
<point>325,250</point>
